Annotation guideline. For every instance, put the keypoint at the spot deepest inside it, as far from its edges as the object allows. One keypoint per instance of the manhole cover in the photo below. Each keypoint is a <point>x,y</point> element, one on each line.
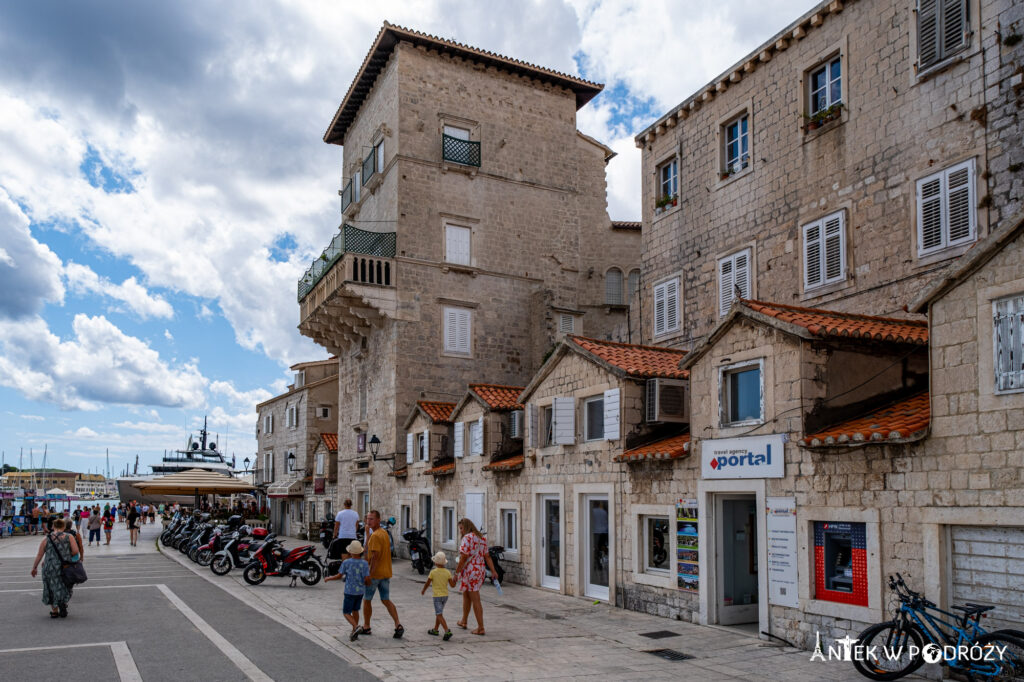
<point>669,654</point>
<point>660,634</point>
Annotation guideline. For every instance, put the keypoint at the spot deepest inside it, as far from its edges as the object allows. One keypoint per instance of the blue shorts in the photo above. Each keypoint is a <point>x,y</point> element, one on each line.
<point>439,603</point>
<point>381,584</point>
<point>352,603</point>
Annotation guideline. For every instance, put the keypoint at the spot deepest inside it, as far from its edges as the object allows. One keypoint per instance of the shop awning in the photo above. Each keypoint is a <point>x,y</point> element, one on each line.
<point>287,489</point>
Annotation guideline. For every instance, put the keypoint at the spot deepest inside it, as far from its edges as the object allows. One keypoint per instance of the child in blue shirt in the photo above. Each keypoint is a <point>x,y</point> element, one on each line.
<point>354,570</point>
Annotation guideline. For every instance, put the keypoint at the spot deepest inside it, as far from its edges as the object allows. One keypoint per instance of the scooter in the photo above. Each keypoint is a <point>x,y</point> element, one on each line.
<point>496,552</point>
<point>177,521</point>
<point>237,550</point>
<point>270,559</point>
<point>419,548</point>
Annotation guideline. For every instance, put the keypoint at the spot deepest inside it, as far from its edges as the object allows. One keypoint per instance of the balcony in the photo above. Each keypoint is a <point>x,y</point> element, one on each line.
<point>349,288</point>
<point>463,152</point>
<point>346,196</point>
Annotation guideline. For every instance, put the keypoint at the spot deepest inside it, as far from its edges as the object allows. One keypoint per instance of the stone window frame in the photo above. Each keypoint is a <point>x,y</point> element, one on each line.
<point>827,54</point>
<point>919,75</point>
<point>665,161</point>
<point>501,507</point>
<point>870,517</point>
<point>744,108</point>
<point>404,518</point>
<point>724,372</point>
<point>584,404</point>
<point>641,576</point>
<point>446,352</point>
<point>947,250</point>
<point>722,358</point>
<point>988,398</point>
<point>445,543</point>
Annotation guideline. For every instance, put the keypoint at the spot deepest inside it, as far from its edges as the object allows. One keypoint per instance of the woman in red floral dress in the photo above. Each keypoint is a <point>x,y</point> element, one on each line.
<point>473,557</point>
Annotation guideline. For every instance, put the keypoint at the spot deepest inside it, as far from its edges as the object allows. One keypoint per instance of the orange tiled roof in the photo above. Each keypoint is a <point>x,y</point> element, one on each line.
<point>498,397</point>
<point>667,448</point>
<point>829,323</point>
<point>627,224</point>
<point>399,473</point>
<point>510,464</point>
<point>443,470</point>
<point>902,421</point>
<point>330,440</point>
<point>440,413</point>
<point>636,360</point>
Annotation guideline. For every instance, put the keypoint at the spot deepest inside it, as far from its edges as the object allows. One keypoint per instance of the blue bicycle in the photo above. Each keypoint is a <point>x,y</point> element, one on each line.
<point>922,632</point>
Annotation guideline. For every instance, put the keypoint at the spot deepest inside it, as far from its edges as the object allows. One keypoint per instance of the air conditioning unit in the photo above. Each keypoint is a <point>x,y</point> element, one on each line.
<point>668,400</point>
<point>515,424</point>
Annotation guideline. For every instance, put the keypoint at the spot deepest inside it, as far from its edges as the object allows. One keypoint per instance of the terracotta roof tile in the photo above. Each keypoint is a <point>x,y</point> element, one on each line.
<point>498,397</point>
<point>509,464</point>
<point>667,448</point>
<point>899,422</point>
<point>440,413</point>
<point>399,473</point>
<point>330,440</point>
<point>627,225</point>
<point>832,324</point>
<point>443,470</point>
<point>636,360</point>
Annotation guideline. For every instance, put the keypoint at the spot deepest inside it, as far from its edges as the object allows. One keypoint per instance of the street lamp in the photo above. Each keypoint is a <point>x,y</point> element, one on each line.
<point>374,445</point>
<point>291,461</point>
<point>245,463</point>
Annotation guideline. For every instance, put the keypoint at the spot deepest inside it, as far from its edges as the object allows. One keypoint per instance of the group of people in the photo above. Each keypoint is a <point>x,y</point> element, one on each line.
<point>94,521</point>
<point>366,578</point>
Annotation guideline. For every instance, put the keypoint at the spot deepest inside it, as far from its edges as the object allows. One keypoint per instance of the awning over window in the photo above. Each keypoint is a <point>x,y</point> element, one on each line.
<point>288,489</point>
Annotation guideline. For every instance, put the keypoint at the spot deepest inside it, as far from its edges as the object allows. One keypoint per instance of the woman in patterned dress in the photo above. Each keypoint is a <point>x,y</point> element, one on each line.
<point>473,557</point>
<point>55,593</point>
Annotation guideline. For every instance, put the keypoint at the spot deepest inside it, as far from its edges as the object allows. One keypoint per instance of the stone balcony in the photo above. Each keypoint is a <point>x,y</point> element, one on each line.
<point>350,288</point>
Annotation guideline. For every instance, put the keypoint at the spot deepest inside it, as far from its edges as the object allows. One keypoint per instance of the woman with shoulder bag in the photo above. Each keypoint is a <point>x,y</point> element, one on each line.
<point>57,546</point>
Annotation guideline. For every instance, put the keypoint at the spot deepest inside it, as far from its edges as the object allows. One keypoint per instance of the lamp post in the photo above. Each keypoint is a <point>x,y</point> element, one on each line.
<point>374,445</point>
<point>245,463</point>
<point>291,462</point>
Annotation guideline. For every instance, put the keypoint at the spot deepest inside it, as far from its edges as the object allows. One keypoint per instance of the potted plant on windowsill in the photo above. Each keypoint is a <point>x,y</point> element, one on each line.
<point>820,118</point>
<point>665,202</point>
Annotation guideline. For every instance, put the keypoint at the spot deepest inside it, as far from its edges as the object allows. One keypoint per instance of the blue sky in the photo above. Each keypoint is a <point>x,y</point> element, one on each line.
<point>163,184</point>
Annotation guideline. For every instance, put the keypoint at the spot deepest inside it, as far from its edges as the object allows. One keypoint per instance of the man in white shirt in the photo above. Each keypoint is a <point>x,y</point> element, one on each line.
<point>346,524</point>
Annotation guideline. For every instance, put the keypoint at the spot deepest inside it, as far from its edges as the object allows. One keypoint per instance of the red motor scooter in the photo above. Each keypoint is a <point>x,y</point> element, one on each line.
<point>271,559</point>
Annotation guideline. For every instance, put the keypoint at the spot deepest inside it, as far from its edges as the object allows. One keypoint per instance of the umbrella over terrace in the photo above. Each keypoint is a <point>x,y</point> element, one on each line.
<point>194,482</point>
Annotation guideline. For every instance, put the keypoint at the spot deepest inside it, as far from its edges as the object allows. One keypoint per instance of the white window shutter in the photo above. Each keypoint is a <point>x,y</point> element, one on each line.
<point>459,426</point>
<point>929,213</point>
<point>271,423</point>
<point>672,305</point>
<point>457,241</point>
<point>425,455</point>
<point>478,441</point>
<point>451,333</point>
<point>459,133</point>
<point>534,425</point>
<point>927,33</point>
<point>812,255</point>
<point>611,414</point>
<point>409,447</point>
<point>725,286</point>
<point>564,414</point>
<point>742,274</point>
<point>834,251</point>
<point>659,309</point>
<point>960,213</point>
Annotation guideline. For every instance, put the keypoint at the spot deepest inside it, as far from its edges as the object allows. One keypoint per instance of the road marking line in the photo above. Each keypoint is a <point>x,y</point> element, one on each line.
<point>218,640</point>
<point>90,587</point>
<point>126,668</point>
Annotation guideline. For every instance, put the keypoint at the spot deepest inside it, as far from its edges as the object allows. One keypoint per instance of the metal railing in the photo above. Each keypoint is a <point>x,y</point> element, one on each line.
<point>370,165</point>
<point>346,196</point>
<point>354,241</point>
<point>460,151</point>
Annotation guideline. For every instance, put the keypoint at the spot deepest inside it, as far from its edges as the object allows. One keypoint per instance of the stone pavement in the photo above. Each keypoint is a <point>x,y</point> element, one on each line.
<point>531,634</point>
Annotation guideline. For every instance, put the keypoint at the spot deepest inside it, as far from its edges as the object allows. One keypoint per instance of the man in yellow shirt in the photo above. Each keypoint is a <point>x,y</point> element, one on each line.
<point>378,551</point>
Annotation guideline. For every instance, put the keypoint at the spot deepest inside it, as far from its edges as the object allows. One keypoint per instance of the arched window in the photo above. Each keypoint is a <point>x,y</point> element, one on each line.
<point>634,282</point>
<point>613,287</point>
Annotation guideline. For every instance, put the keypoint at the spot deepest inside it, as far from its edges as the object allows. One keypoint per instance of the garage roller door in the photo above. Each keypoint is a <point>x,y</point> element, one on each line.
<point>988,568</point>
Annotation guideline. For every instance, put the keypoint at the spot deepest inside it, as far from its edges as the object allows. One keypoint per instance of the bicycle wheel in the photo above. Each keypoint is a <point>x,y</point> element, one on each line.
<point>1004,657</point>
<point>891,659</point>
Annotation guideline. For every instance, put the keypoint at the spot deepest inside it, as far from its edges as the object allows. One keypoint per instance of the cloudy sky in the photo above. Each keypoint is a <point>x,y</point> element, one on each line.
<point>163,184</point>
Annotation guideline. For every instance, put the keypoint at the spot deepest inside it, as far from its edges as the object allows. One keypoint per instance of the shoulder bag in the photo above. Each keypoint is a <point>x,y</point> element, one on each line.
<point>73,573</point>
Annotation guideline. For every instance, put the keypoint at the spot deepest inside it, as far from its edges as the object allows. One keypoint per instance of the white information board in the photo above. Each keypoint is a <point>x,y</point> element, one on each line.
<point>782,556</point>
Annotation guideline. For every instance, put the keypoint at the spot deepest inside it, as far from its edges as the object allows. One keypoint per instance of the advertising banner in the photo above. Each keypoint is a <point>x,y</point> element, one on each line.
<point>751,457</point>
<point>782,555</point>
<point>687,550</point>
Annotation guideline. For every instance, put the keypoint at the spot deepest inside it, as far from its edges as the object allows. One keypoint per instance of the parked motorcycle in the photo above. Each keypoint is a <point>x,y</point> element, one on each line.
<point>237,550</point>
<point>419,548</point>
<point>497,552</point>
<point>271,559</point>
<point>177,521</point>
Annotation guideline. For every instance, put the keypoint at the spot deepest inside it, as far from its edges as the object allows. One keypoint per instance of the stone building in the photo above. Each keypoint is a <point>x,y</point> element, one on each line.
<point>474,236</point>
<point>288,432</point>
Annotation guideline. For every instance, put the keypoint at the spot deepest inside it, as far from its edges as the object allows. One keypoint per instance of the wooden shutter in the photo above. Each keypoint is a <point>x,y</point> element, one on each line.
<point>1008,330</point>
<point>833,250</point>
<point>459,426</point>
<point>725,286</point>
<point>659,309</point>
<point>929,213</point>
<point>463,331</point>
<point>960,211</point>
<point>457,244</point>
<point>611,414</point>
<point>812,255</point>
<point>534,425</point>
<point>450,329</point>
<point>927,33</point>
<point>475,509</point>
<point>563,412</point>
<point>672,305</point>
<point>425,455</point>
<point>409,448</point>
<point>954,26</point>
<point>613,287</point>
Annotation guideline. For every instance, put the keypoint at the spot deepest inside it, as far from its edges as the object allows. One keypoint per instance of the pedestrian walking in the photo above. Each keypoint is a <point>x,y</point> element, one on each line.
<point>473,557</point>
<point>346,524</point>
<point>94,525</point>
<point>108,525</point>
<point>378,548</point>
<point>145,513</point>
<point>152,513</point>
<point>77,518</point>
<point>57,548</point>
<point>355,570</point>
<point>133,525</point>
<point>439,580</point>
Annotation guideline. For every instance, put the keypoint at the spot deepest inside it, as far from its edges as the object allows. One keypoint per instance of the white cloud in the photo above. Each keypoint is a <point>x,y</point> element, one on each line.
<point>82,279</point>
<point>29,270</point>
<point>148,427</point>
<point>168,335</point>
<point>240,398</point>
<point>101,364</point>
<point>85,432</point>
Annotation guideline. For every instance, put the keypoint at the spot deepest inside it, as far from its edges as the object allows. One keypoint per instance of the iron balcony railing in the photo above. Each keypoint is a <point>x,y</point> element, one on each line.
<point>346,196</point>
<point>460,151</point>
<point>370,166</point>
<point>351,240</point>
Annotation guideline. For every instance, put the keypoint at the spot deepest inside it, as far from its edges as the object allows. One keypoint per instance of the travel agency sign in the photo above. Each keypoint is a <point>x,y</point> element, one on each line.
<point>752,457</point>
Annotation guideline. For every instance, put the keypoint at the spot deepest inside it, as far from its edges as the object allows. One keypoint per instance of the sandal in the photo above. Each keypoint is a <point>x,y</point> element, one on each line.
<point>54,614</point>
<point>434,632</point>
<point>478,631</point>
<point>365,631</point>
<point>461,625</point>
<point>399,631</point>
<point>447,636</point>
<point>355,635</point>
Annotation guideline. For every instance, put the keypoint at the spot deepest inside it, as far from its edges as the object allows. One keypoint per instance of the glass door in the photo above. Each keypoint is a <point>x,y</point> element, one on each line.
<point>550,541</point>
<point>596,550</point>
<point>736,519</point>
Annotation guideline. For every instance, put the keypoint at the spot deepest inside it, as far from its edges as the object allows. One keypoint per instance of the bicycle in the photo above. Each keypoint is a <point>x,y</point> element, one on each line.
<point>920,633</point>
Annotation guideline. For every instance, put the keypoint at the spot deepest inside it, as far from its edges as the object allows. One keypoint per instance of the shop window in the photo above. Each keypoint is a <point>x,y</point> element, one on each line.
<point>510,529</point>
<point>593,423</point>
<point>742,394</point>
<point>840,562</point>
<point>656,543</point>
<point>447,525</point>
